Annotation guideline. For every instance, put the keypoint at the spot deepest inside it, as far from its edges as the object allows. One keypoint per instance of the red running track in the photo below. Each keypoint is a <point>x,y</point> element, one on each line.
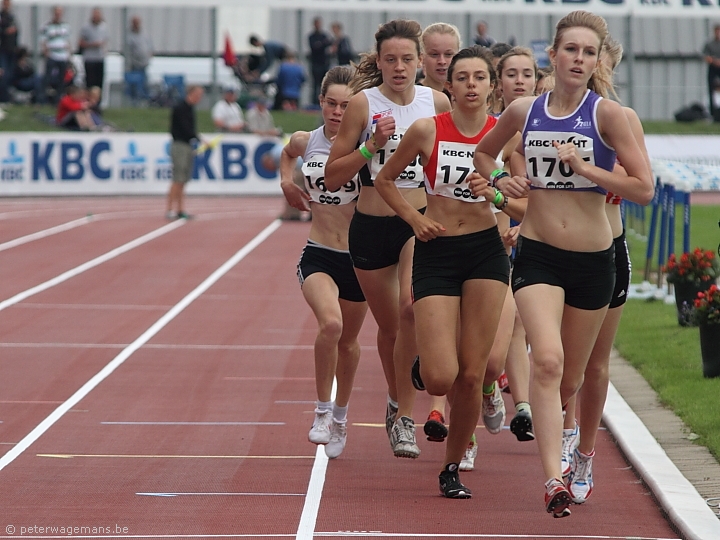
<point>201,429</point>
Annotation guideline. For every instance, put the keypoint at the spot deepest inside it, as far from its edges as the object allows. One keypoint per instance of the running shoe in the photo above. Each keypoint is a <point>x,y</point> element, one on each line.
<point>504,383</point>
<point>171,215</point>
<point>435,427</point>
<point>522,426</point>
<point>450,485</point>
<point>468,460</point>
<point>184,215</point>
<point>415,375</point>
<point>570,441</point>
<point>390,414</point>
<point>493,411</point>
<point>557,498</point>
<point>581,480</point>
<point>402,438</point>
<point>320,431</point>
<point>338,438</point>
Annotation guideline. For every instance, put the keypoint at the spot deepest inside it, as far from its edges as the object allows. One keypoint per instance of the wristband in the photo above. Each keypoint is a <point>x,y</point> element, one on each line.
<point>499,197</point>
<point>367,154</point>
<point>496,175</point>
<point>504,203</point>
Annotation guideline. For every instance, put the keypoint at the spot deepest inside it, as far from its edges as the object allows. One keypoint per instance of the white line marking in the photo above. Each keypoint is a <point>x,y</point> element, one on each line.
<point>91,264</point>
<point>288,402</point>
<point>166,346</point>
<point>306,527</point>
<point>44,233</point>
<point>193,423</point>
<point>355,534</point>
<point>135,345</point>
<point>94,306</point>
<point>223,494</point>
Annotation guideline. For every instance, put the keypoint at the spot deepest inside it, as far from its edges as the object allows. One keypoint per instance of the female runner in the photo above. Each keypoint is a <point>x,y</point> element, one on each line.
<point>564,270</point>
<point>381,244</point>
<point>325,269</point>
<point>460,267</point>
<point>578,451</point>
<point>441,41</point>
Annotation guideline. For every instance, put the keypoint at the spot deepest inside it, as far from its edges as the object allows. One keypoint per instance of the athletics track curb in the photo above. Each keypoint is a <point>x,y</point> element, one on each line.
<point>655,441</point>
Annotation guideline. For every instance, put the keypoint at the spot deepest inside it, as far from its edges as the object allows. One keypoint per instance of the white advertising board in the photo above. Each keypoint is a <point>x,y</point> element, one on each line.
<point>128,164</point>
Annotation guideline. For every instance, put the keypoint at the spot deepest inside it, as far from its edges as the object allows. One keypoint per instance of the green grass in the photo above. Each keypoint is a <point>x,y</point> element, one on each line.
<point>666,354</point>
<point>154,120</point>
<point>149,120</point>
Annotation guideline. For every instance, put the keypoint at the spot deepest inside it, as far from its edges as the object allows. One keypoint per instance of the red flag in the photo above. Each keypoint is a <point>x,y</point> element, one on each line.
<point>229,55</point>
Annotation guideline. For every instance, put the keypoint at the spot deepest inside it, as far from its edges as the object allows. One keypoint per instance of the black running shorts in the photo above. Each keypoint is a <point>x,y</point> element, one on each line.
<point>588,278</point>
<point>336,264</point>
<point>443,264</point>
<point>623,269</point>
<point>376,241</point>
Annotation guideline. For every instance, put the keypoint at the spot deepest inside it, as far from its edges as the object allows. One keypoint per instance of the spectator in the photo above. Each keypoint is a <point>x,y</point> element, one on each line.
<point>55,46</point>
<point>8,44</point>
<point>274,51</point>
<point>93,44</point>
<point>227,114</point>
<point>260,121</point>
<point>139,52</point>
<point>184,134</point>
<point>24,76</point>
<point>341,46</point>
<point>482,37</point>
<point>290,79</point>
<point>711,52</point>
<point>498,50</point>
<point>319,58</point>
<point>73,111</point>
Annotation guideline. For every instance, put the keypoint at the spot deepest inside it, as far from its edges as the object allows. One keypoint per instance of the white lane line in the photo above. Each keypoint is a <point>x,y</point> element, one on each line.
<point>362,534</point>
<point>168,346</point>
<point>135,345</point>
<point>222,494</point>
<point>91,264</point>
<point>44,233</point>
<point>193,423</point>
<point>122,307</point>
<point>308,518</point>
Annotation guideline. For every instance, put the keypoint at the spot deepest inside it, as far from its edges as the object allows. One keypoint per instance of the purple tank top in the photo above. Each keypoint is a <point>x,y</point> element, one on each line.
<point>544,169</point>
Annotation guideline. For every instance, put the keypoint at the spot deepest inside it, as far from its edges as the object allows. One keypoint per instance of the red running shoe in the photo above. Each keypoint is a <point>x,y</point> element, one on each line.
<point>503,383</point>
<point>557,498</point>
<point>435,427</point>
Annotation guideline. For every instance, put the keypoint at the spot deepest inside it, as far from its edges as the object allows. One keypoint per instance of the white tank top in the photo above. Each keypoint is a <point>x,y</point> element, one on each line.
<point>313,169</point>
<point>422,106</point>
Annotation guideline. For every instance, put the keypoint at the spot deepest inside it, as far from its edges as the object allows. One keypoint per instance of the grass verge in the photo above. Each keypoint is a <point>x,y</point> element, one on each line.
<point>666,354</point>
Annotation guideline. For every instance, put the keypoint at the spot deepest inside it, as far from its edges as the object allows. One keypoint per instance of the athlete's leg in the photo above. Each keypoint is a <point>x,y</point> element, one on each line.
<point>405,345</point>
<point>348,349</point>
<point>381,290</point>
<point>481,306</point>
<point>321,294</point>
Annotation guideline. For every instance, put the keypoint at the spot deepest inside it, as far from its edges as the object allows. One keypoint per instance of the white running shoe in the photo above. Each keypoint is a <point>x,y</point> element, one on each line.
<point>338,438</point>
<point>468,460</point>
<point>581,479</point>
<point>402,438</point>
<point>493,411</point>
<point>390,415</point>
<point>320,431</point>
<point>570,441</point>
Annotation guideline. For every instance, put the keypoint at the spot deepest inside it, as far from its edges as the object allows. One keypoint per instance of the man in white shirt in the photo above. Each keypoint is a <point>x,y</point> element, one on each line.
<point>226,113</point>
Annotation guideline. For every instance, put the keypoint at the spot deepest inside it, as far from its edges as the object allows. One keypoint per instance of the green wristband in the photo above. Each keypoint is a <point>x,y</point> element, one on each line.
<point>496,175</point>
<point>499,197</point>
<point>367,154</point>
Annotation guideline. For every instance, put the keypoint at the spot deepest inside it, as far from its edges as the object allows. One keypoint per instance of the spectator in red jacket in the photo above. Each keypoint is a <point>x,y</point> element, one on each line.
<point>74,110</point>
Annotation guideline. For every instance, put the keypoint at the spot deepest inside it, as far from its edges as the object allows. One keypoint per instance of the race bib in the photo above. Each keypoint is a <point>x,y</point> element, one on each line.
<point>314,172</point>
<point>544,168</point>
<point>411,177</point>
<point>454,165</point>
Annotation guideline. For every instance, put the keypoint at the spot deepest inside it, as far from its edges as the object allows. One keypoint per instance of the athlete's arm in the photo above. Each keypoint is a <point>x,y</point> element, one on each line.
<point>614,126</point>
<point>295,148</point>
<point>418,140</point>
<point>345,160</point>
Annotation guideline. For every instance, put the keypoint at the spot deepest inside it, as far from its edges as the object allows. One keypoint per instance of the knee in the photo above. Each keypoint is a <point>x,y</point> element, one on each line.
<point>407,314</point>
<point>438,382</point>
<point>468,382</point>
<point>569,388</point>
<point>548,366</point>
<point>330,329</point>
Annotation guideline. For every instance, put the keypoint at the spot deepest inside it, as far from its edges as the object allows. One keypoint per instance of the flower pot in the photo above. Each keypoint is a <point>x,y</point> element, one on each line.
<point>685,295</point>
<point>710,349</point>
